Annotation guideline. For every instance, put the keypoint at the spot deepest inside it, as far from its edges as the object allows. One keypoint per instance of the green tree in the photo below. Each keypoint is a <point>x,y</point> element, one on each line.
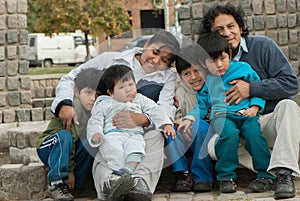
<point>89,16</point>
<point>34,9</point>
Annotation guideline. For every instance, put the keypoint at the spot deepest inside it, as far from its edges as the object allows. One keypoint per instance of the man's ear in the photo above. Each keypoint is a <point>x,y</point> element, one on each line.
<point>76,92</point>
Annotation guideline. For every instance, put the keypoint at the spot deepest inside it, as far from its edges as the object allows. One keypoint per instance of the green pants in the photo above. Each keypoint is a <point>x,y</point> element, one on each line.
<point>230,127</point>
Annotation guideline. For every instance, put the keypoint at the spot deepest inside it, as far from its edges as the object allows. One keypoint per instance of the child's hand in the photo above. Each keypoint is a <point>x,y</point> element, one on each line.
<point>97,137</point>
<point>185,129</point>
<point>252,111</point>
<point>169,130</point>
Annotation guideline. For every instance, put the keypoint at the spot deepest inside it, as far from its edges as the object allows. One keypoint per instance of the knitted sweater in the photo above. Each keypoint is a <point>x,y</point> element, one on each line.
<point>278,79</point>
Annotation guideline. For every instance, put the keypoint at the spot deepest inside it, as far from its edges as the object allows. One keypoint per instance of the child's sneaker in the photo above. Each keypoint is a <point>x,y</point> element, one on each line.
<point>227,185</point>
<point>59,192</point>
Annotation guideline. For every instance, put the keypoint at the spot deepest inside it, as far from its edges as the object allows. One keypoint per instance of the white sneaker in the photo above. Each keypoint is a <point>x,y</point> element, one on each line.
<point>59,192</point>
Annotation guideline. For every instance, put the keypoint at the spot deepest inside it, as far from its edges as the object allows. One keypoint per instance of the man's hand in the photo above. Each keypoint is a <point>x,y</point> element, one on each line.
<point>66,114</point>
<point>127,119</point>
<point>239,91</point>
<point>70,181</point>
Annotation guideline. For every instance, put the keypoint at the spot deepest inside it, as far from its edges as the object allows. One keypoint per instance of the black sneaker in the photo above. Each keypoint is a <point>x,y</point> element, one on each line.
<point>184,182</point>
<point>117,187</point>
<point>285,187</point>
<point>202,186</point>
<point>227,185</point>
<point>262,184</point>
<point>59,192</point>
<point>139,192</point>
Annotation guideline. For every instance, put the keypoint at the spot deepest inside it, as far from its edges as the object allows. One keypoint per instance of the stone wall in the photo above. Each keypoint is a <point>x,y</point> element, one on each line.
<point>277,19</point>
<point>40,96</point>
<point>15,85</point>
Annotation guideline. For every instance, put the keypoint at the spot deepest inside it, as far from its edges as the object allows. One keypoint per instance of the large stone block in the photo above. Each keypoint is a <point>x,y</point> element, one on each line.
<point>23,156</point>
<point>4,142</point>
<point>23,182</point>
<point>26,134</point>
<point>23,114</point>
<point>37,114</point>
<point>9,115</point>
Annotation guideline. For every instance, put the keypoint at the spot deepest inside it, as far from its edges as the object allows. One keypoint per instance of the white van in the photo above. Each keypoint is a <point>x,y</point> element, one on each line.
<point>59,49</point>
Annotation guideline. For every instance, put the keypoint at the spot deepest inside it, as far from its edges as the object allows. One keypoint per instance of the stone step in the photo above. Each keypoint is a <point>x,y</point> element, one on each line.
<point>23,182</point>
<point>27,179</point>
<point>22,141</point>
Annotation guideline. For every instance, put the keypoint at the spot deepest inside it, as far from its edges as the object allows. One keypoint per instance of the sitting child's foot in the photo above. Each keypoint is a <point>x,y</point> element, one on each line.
<point>184,182</point>
<point>262,184</point>
<point>227,185</point>
<point>59,192</point>
<point>202,186</point>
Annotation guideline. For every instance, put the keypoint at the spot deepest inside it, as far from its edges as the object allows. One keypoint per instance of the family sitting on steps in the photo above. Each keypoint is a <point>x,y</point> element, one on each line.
<point>232,93</point>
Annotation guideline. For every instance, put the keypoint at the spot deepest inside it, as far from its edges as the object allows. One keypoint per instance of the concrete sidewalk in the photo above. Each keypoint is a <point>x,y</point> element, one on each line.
<point>163,192</point>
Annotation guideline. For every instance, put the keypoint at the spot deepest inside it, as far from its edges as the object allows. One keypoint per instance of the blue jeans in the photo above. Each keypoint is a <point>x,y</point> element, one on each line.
<point>55,153</point>
<point>201,166</point>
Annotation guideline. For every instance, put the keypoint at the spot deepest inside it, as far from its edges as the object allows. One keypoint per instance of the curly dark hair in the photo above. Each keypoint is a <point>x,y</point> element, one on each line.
<point>229,9</point>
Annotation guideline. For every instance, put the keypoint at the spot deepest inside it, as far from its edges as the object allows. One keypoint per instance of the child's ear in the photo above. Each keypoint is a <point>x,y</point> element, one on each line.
<point>109,92</point>
<point>76,92</point>
<point>230,53</point>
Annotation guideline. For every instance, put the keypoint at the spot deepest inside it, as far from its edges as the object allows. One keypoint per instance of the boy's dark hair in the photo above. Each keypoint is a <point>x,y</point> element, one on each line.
<point>112,75</point>
<point>214,44</point>
<point>229,9</point>
<point>168,40</point>
<point>188,56</point>
<point>88,78</point>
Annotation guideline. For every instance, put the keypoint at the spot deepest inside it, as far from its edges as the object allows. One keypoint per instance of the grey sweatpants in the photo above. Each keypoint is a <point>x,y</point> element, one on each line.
<point>149,169</point>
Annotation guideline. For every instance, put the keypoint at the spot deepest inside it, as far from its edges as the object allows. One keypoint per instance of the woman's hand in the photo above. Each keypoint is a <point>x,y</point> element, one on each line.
<point>67,114</point>
<point>127,119</point>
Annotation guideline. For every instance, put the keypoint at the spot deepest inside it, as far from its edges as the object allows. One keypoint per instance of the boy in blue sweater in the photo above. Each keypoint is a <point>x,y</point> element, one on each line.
<point>230,121</point>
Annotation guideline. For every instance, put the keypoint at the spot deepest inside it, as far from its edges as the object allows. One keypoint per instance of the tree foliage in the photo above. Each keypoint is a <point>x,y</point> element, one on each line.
<point>89,16</point>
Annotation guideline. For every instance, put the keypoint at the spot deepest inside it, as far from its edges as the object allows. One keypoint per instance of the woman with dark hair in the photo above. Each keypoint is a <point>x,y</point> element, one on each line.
<point>154,78</point>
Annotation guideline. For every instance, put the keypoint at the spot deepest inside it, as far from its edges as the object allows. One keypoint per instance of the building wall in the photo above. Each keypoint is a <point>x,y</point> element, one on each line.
<point>136,6</point>
<point>277,19</point>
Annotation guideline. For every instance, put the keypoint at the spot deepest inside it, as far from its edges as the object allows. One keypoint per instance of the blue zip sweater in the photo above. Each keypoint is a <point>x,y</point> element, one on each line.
<point>212,94</point>
<point>278,79</point>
